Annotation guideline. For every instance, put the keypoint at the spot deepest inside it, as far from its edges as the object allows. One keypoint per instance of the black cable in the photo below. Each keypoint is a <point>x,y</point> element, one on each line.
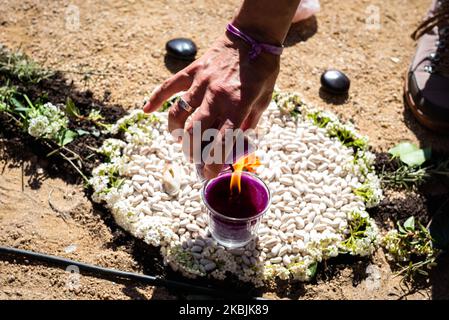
<point>149,280</point>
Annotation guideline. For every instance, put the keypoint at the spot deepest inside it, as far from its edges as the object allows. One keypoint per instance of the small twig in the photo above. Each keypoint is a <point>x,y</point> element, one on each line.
<point>90,156</point>
<point>76,167</point>
<point>407,293</point>
<point>91,148</point>
<point>77,156</point>
<point>58,150</point>
<point>19,124</point>
<point>70,161</point>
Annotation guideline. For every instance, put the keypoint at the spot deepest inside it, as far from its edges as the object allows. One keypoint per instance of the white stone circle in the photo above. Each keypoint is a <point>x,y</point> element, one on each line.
<point>318,170</point>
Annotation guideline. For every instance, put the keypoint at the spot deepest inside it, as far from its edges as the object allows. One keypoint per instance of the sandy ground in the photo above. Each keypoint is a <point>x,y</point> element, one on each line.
<point>117,52</point>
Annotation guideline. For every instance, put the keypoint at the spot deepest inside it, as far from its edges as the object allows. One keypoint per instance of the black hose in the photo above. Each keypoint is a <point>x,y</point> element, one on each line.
<point>149,280</point>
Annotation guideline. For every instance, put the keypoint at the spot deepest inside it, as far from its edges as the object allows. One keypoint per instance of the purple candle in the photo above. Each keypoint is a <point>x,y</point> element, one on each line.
<point>234,216</point>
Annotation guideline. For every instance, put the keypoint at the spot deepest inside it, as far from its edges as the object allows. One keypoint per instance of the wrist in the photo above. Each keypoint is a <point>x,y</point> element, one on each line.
<point>256,47</point>
<point>258,32</point>
<point>264,60</point>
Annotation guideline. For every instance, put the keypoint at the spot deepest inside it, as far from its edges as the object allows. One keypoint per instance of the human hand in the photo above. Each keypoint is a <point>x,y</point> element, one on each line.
<point>225,88</point>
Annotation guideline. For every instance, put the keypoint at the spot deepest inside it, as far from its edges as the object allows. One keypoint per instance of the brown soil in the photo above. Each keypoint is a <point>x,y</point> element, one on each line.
<point>55,218</point>
<point>118,54</point>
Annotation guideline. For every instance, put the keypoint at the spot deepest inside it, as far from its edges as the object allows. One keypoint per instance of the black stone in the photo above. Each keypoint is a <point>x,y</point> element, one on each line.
<point>335,82</point>
<point>181,48</point>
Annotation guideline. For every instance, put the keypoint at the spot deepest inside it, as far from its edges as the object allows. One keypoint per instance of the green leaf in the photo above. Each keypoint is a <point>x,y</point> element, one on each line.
<point>311,270</point>
<point>28,101</point>
<point>71,109</point>
<point>402,148</point>
<point>422,272</point>
<point>95,115</point>
<point>318,119</point>
<point>96,133</point>
<point>401,228</point>
<point>67,136</point>
<point>21,109</point>
<point>421,228</point>
<point>18,106</point>
<point>409,225</point>
<point>82,132</point>
<point>410,154</point>
<point>416,158</point>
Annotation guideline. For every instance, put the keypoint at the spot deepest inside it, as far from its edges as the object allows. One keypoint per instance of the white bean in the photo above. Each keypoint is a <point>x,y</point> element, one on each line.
<point>193,227</point>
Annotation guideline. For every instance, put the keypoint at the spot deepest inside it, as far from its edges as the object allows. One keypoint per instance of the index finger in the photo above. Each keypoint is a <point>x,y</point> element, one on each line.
<point>221,150</point>
<point>181,81</point>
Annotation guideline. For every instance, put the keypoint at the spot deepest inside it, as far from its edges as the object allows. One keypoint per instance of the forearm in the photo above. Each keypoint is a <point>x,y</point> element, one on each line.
<point>266,20</point>
<point>225,89</point>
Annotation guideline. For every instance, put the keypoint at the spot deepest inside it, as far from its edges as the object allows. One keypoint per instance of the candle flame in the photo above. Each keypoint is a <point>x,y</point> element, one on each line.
<point>248,163</point>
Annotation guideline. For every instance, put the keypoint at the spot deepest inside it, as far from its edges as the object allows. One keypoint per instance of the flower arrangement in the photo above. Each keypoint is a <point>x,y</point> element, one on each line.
<point>300,230</point>
<point>46,121</point>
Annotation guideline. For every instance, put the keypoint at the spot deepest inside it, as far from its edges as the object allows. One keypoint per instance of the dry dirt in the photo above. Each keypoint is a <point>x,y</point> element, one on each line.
<point>118,52</point>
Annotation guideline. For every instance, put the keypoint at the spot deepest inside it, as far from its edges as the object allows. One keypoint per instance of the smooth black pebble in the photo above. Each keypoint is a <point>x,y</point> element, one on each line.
<point>181,48</point>
<point>335,82</point>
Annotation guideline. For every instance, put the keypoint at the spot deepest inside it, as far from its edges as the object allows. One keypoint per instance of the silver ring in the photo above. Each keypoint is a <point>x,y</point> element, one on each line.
<point>184,105</point>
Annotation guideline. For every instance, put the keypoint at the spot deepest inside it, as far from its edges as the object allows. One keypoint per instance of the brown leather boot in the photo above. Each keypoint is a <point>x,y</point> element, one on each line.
<point>427,82</point>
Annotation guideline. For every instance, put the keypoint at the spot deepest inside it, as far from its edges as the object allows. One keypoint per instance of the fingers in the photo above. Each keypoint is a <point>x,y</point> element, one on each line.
<point>179,82</point>
<point>222,147</point>
<point>177,116</point>
<point>224,142</point>
<point>252,120</point>
<point>256,113</point>
<point>197,133</point>
<point>212,117</point>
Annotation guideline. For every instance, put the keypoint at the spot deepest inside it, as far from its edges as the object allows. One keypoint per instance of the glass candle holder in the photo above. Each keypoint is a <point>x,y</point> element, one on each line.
<point>234,217</point>
<point>244,147</point>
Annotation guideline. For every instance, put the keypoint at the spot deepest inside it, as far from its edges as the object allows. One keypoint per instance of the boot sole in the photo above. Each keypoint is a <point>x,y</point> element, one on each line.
<point>438,126</point>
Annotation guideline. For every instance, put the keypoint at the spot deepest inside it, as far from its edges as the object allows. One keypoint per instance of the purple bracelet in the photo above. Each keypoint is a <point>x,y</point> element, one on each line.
<point>256,47</point>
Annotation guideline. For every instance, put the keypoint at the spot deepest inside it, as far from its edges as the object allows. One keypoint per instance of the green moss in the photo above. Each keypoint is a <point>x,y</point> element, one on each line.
<point>139,117</point>
<point>288,103</point>
<point>365,192</point>
<point>318,119</point>
<point>357,227</point>
<point>347,138</point>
